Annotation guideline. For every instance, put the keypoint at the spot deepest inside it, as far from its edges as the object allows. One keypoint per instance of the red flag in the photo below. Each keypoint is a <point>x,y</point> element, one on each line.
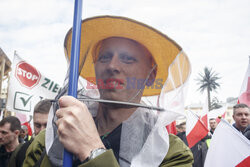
<point>171,128</point>
<point>244,96</point>
<point>204,117</point>
<point>204,120</point>
<point>29,128</point>
<point>219,117</point>
<point>244,163</point>
<point>218,113</point>
<point>228,147</point>
<point>195,130</point>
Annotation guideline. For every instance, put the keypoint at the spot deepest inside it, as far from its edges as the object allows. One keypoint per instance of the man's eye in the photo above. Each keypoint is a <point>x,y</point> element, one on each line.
<point>127,59</point>
<point>106,57</point>
<point>38,125</point>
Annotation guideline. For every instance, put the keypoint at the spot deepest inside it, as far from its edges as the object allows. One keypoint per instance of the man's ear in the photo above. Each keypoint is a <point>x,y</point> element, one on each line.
<point>233,117</point>
<point>17,132</point>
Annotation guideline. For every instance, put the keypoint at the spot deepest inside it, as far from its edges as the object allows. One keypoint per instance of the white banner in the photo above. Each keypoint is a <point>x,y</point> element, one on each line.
<point>27,86</point>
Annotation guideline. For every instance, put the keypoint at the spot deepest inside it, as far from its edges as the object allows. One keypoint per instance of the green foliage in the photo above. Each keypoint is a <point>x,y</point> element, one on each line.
<point>208,80</point>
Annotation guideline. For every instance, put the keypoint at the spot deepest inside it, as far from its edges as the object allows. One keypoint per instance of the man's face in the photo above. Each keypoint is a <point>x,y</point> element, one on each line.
<point>121,60</point>
<point>40,122</point>
<point>212,124</point>
<point>241,117</point>
<point>22,133</point>
<point>183,128</point>
<point>6,135</point>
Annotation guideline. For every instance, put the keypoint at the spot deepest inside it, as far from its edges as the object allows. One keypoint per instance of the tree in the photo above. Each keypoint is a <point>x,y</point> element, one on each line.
<point>208,81</point>
<point>215,104</point>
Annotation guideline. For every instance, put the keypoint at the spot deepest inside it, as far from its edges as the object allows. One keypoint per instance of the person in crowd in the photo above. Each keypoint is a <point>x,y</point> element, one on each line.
<point>40,117</point>
<point>21,136</point>
<point>241,116</point>
<point>24,136</point>
<point>183,127</point>
<point>212,124</point>
<point>120,49</point>
<point>199,150</point>
<point>182,133</point>
<point>9,145</point>
<point>178,129</point>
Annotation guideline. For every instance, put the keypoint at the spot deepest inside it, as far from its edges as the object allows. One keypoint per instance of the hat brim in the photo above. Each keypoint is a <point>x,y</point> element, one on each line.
<point>163,49</point>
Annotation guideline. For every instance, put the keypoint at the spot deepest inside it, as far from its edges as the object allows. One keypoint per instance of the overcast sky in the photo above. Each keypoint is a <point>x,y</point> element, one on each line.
<point>213,33</point>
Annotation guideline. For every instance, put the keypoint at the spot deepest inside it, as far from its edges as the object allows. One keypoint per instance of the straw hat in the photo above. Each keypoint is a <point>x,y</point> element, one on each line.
<point>163,49</point>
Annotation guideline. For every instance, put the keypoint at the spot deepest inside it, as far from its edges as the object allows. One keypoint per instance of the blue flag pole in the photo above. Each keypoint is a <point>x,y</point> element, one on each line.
<point>74,66</point>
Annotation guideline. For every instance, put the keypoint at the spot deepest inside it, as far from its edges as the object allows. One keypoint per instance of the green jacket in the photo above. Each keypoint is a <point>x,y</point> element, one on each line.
<point>178,155</point>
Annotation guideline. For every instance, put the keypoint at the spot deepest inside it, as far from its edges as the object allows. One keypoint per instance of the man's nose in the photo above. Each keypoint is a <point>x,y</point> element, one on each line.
<point>115,65</point>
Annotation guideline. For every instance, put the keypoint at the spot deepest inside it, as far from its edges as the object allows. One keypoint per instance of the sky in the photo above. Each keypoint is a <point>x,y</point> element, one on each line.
<point>213,33</point>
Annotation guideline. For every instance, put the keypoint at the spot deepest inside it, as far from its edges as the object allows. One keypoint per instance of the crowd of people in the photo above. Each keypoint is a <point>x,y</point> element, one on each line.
<point>109,134</point>
<point>14,138</point>
<point>241,118</point>
<point>13,150</point>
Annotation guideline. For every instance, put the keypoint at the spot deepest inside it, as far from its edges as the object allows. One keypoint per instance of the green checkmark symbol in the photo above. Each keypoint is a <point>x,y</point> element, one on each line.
<point>25,102</point>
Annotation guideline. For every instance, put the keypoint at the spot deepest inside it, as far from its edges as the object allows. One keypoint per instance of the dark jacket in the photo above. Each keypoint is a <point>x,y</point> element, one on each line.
<point>199,150</point>
<point>21,153</point>
<point>7,158</point>
<point>4,157</point>
<point>246,132</point>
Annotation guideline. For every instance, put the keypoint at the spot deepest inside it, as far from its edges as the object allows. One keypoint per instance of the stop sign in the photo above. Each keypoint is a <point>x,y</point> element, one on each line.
<point>27,75</point>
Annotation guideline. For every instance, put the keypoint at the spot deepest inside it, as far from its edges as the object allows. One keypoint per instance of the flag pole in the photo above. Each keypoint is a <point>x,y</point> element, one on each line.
<point>74,66</point>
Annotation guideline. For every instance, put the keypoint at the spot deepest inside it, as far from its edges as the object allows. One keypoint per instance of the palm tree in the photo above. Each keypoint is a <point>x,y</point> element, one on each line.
<point>208,82</point>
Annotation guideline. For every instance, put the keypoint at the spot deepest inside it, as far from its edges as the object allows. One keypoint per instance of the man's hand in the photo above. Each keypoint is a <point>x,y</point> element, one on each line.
<point>76,128</point>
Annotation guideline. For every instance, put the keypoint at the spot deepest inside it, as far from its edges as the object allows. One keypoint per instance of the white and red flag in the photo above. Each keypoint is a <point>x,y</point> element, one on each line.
<point>195,129</point>
<point>171,128</point>
<point>228,148</point>
<point>204,114</point>
<point>244,96</point>
<point>218,113</point>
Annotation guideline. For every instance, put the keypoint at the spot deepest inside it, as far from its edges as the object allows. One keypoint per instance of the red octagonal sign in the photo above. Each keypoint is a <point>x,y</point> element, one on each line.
<point>27,75</point>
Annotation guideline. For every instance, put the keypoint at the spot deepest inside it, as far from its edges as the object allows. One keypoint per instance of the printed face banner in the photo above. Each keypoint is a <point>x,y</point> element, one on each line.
<point>27,86</point>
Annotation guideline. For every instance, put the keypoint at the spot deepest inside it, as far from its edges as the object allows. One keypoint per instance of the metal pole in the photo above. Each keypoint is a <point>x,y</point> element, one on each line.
<point>74,65</point>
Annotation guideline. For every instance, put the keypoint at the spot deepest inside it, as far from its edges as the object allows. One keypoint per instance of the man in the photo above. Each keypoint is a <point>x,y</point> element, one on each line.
<point>183,126</point>
<point>212,124</point>
<point>40,118</point>
<point>182,133</point>
<point>241,116</point>
<point>199,150</point>
<point>178,129</point>
<point>24,136</point>
<point>9,144</point>
<point>115,134</point>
